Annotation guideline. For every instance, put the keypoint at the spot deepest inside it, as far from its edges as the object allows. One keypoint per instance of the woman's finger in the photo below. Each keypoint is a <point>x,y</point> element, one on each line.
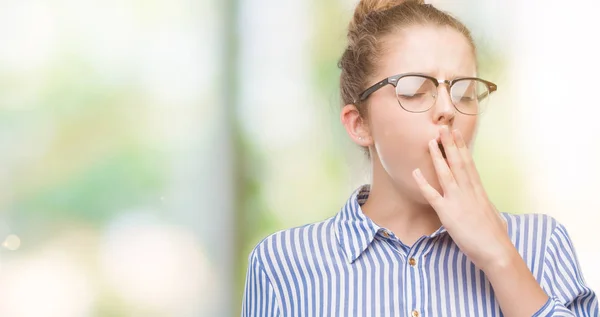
<point>456,162</point>
<point>442,169</point>
<point>431,195</point>
<point>469,163</point>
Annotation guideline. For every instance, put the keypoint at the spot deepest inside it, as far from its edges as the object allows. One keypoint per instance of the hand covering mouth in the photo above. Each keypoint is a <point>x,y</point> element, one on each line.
<point>441,146</point>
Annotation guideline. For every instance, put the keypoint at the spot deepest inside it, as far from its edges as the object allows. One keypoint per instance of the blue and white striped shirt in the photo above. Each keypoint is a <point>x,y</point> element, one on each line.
<point>349,266</point>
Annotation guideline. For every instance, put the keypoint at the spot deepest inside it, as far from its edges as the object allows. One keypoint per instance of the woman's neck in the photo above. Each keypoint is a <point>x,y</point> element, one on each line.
<point>397,209</point>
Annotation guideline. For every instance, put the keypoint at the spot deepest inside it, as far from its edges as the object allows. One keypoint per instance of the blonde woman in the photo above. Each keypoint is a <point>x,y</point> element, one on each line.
<point>422,239</point>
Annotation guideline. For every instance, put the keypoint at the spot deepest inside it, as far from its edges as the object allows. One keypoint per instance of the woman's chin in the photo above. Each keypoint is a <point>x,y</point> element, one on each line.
<point>433,181</point>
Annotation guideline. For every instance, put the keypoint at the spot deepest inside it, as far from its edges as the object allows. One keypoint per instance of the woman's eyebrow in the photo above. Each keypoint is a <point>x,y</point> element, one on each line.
<point>446,76</point>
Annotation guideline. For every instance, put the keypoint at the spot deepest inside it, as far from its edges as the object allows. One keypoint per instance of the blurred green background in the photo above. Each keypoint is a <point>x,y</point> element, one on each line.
<point>147,146</point>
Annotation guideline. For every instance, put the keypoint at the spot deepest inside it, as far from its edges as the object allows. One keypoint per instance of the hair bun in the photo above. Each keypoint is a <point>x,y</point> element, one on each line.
<point>366,7</point>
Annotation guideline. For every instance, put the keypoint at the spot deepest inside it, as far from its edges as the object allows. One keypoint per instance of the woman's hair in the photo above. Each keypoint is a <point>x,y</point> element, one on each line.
<point>372,21</point>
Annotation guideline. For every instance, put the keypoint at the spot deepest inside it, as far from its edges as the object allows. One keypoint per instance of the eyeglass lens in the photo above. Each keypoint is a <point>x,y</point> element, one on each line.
<point>417,94</point>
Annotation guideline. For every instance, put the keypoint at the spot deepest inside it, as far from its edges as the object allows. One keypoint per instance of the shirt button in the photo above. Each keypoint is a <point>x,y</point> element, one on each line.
<point>386,234</point>
<point>412,263</point>
<point>415,313</point>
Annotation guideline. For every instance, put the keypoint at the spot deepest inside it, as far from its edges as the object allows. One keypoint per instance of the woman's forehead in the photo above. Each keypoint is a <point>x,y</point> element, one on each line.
<point>433,50</point>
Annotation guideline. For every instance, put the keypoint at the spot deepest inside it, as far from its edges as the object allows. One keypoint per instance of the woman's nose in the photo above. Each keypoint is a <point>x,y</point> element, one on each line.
<point>443,109</point>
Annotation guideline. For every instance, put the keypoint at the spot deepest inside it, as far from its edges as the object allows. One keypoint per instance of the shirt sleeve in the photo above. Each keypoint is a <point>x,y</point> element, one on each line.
<point>259,296</point>
<point>563,281</point>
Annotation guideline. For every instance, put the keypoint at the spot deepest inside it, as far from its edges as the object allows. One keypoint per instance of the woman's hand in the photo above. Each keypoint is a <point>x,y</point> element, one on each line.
<point>464,209</point>
<point>477,228</point>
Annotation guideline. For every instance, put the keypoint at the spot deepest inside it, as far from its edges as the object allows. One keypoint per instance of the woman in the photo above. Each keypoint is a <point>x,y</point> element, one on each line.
<point>423,239</point>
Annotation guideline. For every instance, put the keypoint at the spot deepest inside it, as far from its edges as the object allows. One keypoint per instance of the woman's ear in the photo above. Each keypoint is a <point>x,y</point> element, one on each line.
<point>355,126</point>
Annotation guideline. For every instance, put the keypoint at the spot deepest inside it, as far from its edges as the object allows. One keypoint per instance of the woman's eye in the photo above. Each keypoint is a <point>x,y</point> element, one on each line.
<point>412,96</point>
<point>465,99</point>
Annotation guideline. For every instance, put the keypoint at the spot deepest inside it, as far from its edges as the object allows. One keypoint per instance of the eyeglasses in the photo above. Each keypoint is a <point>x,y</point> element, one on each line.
<point>417,92</point>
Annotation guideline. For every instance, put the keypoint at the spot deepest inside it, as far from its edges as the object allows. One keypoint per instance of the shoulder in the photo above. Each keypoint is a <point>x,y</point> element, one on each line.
<point>294,242</point>
<point>533,229</point>
<point>533,235</point>
<point>532,223</point>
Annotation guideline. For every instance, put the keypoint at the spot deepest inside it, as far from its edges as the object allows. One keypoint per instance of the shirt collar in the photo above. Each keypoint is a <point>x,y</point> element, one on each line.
<point>354,230</point>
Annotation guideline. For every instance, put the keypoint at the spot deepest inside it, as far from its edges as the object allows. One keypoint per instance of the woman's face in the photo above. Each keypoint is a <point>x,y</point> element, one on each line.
<point>398,139</point>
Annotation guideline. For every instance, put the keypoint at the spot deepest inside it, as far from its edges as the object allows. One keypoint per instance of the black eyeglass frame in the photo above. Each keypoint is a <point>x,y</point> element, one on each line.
<point>393,80</point>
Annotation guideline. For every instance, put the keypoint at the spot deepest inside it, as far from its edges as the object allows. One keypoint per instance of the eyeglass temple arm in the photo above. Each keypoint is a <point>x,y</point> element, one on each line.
<point>483,95</point>
<point>373,88</point>
<point>491,89</point>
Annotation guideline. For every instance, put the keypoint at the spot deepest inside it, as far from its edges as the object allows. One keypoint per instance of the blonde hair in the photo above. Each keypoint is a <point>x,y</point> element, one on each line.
<point>372,21</point>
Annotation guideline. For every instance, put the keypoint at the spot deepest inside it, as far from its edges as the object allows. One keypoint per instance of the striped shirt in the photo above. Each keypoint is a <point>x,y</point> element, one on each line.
<point>349,266</point>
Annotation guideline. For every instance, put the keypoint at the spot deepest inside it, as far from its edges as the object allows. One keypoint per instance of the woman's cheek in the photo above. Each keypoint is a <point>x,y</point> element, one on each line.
<point>396,153</point>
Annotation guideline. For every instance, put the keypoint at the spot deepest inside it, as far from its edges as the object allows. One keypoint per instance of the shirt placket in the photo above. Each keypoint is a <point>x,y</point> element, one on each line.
<point>415,279</point>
